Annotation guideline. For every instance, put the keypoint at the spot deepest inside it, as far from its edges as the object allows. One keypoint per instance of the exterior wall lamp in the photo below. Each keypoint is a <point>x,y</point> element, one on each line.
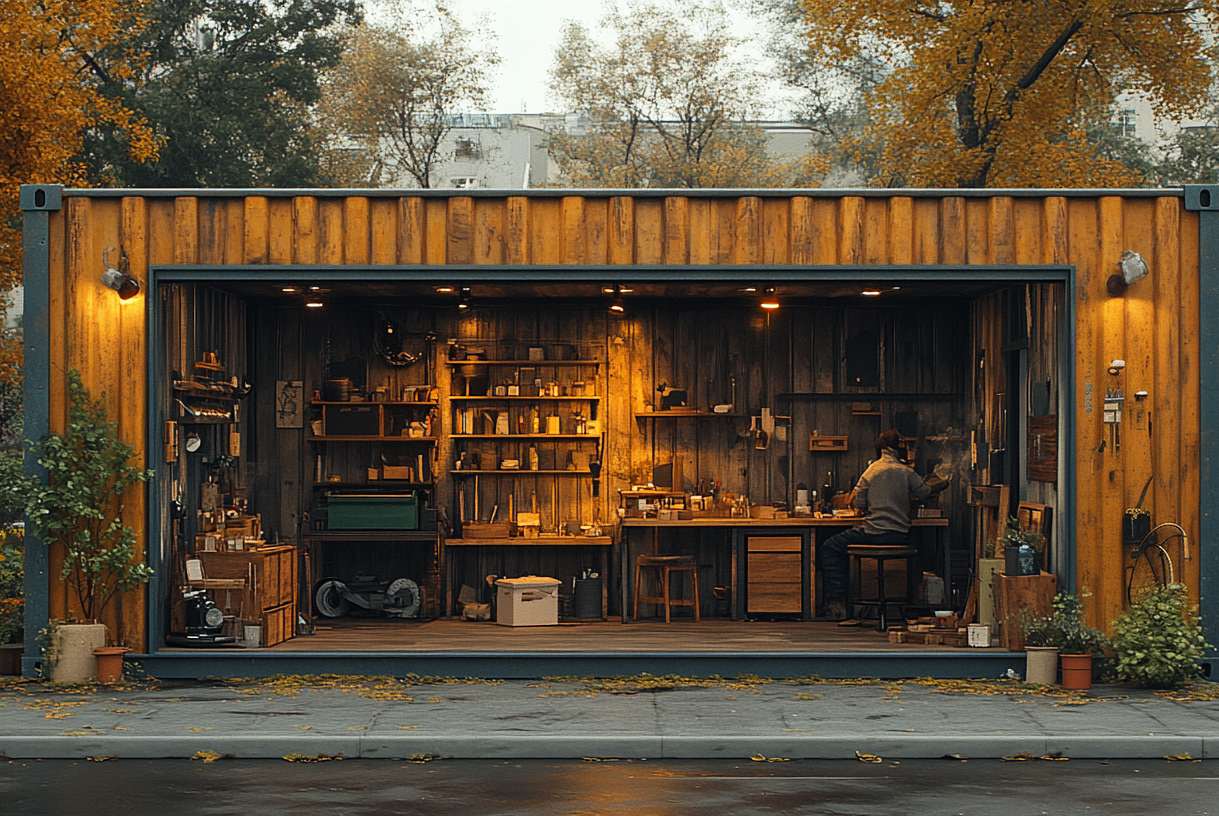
<point>120,281</point>
<point>1133,267</point>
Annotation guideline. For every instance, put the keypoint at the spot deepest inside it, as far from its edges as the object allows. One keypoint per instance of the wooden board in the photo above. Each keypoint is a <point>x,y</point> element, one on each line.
<point>1015,594</point>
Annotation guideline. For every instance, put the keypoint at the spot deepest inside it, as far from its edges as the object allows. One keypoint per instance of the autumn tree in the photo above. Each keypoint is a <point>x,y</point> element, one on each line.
<point>397,88</point>
<point>229,85</point>
<point>48,101</point>
<point>666,103</point>
<point>990,93</point>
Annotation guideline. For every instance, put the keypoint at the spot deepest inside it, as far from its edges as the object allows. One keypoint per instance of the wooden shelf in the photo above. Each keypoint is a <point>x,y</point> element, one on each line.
<point>520,472</point>
<point>526,436</point>
<point>525,399</point>
<point>679,414</point>
<point>827,444</point>
<point>371,402</point>
<point>423,439</point>
<point>376,482</point>
<point>525,363</point>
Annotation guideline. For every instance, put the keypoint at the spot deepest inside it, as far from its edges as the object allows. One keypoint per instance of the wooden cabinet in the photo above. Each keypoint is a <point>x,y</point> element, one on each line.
<point>772,574</point>
<point>270,585</point>
<point>1016,593</point>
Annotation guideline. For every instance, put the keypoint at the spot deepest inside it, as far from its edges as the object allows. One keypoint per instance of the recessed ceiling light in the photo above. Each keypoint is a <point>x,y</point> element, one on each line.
<point>870,293</point>
<point>750,289</point>
<point>314,304</point>
<point>291,290</point>
<point>446,290</point>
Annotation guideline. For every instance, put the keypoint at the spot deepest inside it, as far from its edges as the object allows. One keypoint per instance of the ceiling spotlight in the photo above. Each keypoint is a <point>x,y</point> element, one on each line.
<point>314,303</point>
<point>121,282</point>
<point>464,301</point>
<point>446,290</point>
<point>750,289</point>
<point>291,290</point>
<point>870,293</point>
<point>770,299</point>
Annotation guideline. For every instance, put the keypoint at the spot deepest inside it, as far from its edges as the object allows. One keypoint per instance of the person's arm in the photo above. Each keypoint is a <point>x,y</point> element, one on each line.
<point>860,495</point>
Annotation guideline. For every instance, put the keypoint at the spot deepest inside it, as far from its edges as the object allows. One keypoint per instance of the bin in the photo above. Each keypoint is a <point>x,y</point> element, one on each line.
<point>527,601</point>
<point>399,511</point>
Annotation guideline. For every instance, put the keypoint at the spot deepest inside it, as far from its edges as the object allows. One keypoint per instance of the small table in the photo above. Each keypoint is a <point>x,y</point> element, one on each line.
<point>739,528</point>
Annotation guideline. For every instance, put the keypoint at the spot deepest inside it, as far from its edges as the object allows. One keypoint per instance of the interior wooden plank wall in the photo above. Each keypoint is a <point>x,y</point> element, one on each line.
<point>1154,327</point>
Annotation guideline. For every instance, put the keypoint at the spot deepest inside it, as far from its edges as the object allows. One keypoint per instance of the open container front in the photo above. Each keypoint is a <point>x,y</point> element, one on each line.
<point>355,460</point>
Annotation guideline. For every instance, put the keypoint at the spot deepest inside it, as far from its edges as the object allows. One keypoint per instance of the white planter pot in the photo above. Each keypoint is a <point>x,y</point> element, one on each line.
<point>1041,665</point>
<point>73,645</point>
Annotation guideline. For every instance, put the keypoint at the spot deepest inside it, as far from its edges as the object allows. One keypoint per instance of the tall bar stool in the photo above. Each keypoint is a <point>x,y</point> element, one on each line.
<point>882,554</point>
<point>661,567</point>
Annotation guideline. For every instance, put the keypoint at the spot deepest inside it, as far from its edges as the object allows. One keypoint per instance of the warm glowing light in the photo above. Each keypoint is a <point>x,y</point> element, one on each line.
<point>314,304</point>
<point>446,290</point>
<point>870,292</point>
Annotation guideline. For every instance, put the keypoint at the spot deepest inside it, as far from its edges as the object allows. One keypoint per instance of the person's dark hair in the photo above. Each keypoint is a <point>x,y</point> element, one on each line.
<point>888,439</point>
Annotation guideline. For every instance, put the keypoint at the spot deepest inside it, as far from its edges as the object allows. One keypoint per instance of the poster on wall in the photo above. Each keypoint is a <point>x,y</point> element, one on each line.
<point>289,404</point>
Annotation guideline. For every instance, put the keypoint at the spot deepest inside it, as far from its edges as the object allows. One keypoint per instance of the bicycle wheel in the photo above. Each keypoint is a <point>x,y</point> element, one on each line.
<point>1151,569</point>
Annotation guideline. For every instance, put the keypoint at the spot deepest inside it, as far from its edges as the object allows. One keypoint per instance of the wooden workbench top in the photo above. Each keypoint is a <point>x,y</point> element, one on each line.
<point>801,521</point>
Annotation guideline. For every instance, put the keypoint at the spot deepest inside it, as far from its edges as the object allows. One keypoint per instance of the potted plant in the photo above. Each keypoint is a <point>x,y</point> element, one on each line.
<point>1022,549</point>
<point>1077,642</point>
<point>1159,641</point>
<point>80,510</point>
<point>1041,637</point>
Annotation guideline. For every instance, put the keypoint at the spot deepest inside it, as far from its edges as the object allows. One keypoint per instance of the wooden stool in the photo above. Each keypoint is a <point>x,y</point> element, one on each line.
<point>882,553</point>
<point>664,565</point>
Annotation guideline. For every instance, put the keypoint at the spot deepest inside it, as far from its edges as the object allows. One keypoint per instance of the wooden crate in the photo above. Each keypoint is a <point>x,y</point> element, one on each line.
<point>278,624</point>
<point>271,578</point>
<point>1014,593</point>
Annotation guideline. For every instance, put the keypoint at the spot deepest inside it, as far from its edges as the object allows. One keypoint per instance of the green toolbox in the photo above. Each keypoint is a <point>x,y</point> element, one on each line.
<point>382,511</point>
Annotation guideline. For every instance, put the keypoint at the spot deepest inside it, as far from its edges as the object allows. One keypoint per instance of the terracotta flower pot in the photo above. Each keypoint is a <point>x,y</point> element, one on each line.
<point>1077,672</point>
<point>1041,665</point>
<point>110,663</point>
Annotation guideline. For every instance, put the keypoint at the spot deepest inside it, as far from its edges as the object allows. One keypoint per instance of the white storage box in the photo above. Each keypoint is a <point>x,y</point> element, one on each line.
<point>527,601</point>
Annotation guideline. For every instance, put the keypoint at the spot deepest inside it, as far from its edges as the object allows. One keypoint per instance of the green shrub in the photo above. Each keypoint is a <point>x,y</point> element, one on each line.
<point>1159,641</point>
<point>12,586</point>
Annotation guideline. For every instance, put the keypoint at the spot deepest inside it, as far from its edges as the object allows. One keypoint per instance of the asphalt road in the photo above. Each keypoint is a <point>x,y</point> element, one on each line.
<point>477,788</point>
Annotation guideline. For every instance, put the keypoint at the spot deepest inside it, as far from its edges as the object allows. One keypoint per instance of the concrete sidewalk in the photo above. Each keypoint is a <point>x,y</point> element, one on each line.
<point>632,718</point>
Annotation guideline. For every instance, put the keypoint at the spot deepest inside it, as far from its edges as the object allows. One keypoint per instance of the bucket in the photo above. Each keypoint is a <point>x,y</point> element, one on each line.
<point>588,598</point>
<point>1077,672</point>
<point>252,636</point>
<point>1041,665</point>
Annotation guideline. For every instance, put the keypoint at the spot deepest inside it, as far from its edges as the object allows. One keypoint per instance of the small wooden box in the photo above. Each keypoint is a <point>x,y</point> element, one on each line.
<point>397,472</point>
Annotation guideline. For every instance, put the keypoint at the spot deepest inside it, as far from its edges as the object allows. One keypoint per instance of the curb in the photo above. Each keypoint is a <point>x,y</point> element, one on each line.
<point>461,746</point>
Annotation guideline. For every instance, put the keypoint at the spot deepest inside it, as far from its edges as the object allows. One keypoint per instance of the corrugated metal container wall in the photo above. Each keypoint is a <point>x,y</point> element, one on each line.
<point>1154,328</point>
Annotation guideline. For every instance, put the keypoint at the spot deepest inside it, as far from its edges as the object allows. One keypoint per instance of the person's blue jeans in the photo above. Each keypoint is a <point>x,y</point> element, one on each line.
<point>835,567</point>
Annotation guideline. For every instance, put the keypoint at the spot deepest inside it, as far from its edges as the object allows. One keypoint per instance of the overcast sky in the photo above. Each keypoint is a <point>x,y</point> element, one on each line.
<point>528,31</point>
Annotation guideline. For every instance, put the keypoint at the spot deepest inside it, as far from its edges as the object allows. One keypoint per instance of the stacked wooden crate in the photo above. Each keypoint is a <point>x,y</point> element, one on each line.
<point>269,597</point>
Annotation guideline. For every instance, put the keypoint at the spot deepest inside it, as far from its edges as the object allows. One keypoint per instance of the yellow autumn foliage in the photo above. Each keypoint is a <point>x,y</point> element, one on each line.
<point>998,93</point>
<point>47,100</point>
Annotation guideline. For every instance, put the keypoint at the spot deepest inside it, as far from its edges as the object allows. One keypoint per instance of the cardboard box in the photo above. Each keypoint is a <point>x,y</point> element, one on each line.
<point>527,601</point>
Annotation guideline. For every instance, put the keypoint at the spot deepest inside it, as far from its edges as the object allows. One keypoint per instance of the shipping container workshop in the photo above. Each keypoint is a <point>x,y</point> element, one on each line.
<point>479,433</point>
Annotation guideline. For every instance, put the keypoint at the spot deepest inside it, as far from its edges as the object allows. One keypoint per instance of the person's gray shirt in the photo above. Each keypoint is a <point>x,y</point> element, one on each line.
<point>884,493</point>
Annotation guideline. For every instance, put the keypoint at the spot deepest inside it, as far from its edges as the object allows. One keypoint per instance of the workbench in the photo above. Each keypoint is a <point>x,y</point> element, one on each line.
<point>740,529</point>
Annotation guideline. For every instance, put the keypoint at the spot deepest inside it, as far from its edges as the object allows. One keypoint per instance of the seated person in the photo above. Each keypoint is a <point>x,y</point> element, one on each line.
<point>883,494</point>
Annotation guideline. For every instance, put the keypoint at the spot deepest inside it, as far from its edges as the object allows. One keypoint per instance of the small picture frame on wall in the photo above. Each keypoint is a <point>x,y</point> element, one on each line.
<point>289,404</point>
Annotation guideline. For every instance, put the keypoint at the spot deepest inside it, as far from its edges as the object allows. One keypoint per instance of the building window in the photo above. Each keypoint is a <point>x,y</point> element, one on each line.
<point>467,150</point>
<point>464,183</point>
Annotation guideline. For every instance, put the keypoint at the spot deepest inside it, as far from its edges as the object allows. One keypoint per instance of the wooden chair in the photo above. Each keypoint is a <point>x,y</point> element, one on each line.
<point>664,566</point>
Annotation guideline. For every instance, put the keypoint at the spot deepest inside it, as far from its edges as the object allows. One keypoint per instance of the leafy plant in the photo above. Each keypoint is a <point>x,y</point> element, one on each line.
<point>80,507</point>
<point>12,586</point>
<point>1065,628</point>
<point>1159,640</point>
<point>1016,536</point>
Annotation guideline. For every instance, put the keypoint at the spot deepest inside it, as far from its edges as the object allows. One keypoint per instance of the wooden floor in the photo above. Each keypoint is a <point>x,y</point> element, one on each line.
<point>715,635</point>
